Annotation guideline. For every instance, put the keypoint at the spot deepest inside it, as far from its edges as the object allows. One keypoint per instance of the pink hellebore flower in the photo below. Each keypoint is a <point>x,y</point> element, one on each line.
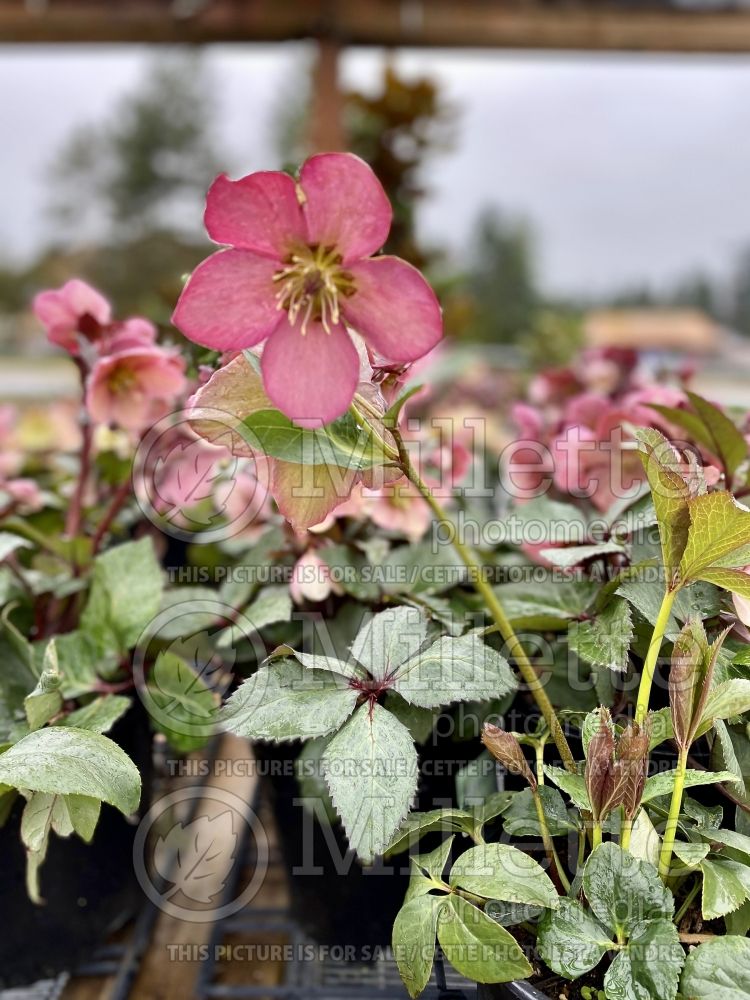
<point>311,579</point>
<point>299,275</point>
<point>74,309</point>
<point>135,387</point>
<point>134,332</point>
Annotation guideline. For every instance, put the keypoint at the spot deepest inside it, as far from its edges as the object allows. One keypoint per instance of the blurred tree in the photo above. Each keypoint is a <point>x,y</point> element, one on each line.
<point>502,282</point>
<point>555,338</point>
<point>738,311</point>
<point>149,169</point>
<point>397,130</point>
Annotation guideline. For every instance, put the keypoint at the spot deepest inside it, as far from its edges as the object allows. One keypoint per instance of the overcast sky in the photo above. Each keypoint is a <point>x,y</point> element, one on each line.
<point>630,169</point>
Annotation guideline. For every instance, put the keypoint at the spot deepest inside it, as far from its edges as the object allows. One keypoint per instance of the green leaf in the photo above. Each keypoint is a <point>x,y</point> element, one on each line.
<point>728,699</point>
<point>688,421</point>
<point>689,854</point>
<point>511,914</point>
<point>498,871</point>
<point>739,921</point>
<point>413,940</point>
<point>726,886</point>
<point>316,661</point>
<point>734,580</point>
<point>649,967</point>
<point>306,494</point>
<point>370,767</point>
<point>719,527</point>
<point>180,703</point>
<point>476,781</point>
<point>340,443</point>
<point>69,761</point>
<point>669,492</point>
<point>477,947</point>
<point>45,700</point>
<point>573,555</point>
<point>418,824</point>
<point>573,785</point>
<point>125,595</point>
<point>724,756</point>
<point>520,818</point>
<point>571,941</point>
<point>663,783</point>
<point>605,640</point>
<point>645,842</point>
<point>719,968</point>
<point>196,609</point>
<point>286,701</point>
<point>391,415</point>
<point>696,600</point>
<point>623,890</point>
<point>352,570</point>
<point>419,721</point>
<point>80,658</point>
<point>453,669</point>
<point>389,639</point>
<point>546,605</point>
<point>433,864</point>
<point>64,814</point>
<point>727,442</point>
<point>10,543</point>
<point>98,715</point>
<point>730,838</point>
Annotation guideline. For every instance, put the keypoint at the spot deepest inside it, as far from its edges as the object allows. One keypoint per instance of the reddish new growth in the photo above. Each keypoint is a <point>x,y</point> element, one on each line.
<point>371,689</point>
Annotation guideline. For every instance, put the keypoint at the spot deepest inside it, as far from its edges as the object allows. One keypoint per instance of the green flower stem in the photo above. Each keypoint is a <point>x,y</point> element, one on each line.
<point>626,828</point>
<point>494,606</point>
<point>470,896</point>
<point>649,666</point>
<point>539,756</point>
<point>556,868</point>
<point>361,410</point>
<point>686,902</point>
<point>665,857</point>
<point>596,835</point>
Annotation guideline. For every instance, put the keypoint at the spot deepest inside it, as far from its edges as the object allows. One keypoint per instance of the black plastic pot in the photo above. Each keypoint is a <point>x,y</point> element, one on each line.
<point>89,889</point>
<point>509,991</point>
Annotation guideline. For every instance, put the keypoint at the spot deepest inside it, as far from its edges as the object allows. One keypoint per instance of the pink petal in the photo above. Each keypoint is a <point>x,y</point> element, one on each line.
<point>259,212</point>
<point>85,300</point>
<point>394,309</point>
<point>311,377</point>
<point>345,205</point>
<point>229,301</point>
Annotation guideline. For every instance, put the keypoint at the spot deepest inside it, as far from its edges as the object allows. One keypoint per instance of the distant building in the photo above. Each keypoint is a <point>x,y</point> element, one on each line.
<point>667,339</point>
<point>661,331</point>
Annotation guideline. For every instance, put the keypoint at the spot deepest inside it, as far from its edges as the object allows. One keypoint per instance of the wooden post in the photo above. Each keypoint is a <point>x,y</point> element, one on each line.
<point>326,117</point>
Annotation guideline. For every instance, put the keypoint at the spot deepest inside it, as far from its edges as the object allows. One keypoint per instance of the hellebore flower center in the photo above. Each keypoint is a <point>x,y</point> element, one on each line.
<point>310,285</point>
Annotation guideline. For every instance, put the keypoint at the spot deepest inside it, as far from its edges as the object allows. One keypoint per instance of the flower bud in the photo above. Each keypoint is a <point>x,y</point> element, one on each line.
<point>506,748</point>
<point>690,677</point>
<point>603,781</point>
<point>632,766</point>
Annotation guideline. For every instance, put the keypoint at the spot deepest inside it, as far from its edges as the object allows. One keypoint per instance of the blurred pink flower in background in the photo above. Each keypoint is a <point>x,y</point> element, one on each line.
<point>299,275</point>
<point>311,580</point>
<point>574,429</point>
<point>72,310</point>
<point>24,493</point>
<point>135,387</point>
<point>131,333</point>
